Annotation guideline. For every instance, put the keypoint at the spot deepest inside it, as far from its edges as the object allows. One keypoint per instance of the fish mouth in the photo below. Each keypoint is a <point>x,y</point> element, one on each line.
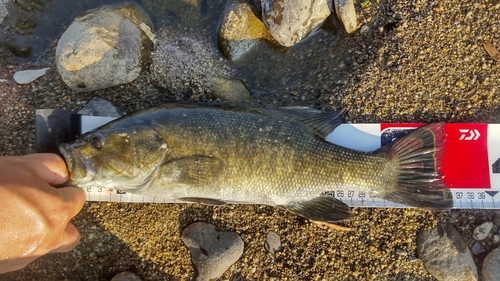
<point>80,169</point>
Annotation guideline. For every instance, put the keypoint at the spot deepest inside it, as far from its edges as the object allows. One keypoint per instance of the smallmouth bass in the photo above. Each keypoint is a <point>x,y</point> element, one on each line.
<point>220,154</point>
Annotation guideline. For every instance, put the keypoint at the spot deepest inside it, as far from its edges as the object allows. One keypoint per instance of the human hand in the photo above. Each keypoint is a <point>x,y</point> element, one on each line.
<point>35,216</point>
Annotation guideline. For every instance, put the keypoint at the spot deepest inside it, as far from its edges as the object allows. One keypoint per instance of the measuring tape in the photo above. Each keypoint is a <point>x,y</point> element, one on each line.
<point>471,163</point>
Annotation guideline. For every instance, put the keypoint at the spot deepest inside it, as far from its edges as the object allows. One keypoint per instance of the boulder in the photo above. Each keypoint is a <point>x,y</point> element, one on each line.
<point>289,21</point>
<point>104,47</point>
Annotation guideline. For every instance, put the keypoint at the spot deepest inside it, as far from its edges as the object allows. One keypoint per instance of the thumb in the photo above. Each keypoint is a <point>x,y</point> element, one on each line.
<point>48,167</point>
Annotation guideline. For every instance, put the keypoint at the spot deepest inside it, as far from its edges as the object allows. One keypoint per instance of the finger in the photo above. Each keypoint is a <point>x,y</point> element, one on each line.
<point>70,239</point>
<point>48,167</point>
<point>15,264</point>
<point>74,197</point>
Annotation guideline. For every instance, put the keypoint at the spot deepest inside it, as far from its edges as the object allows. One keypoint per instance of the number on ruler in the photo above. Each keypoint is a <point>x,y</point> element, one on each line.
<point>99,189</point>
<point>361,195</point>
<point>449,195</point>
<point>340,193</point>
<point>350,193</point>
<point>89,188</point>
<point>470,195</point>
<point>460,195</point>
<point>481,195</point>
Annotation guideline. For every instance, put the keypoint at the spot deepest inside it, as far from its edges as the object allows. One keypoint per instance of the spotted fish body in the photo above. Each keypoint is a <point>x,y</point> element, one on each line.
<point>235,154</point>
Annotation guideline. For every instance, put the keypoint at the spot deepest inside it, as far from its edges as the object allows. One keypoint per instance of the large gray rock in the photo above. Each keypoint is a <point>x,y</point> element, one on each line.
<point>491,266</point>
<point>212,252</point>
<point>240,30</point>
<point>230,89</point>
<point>289,21</point>
<point>346,14</point>
<point>104,47</point>
<point>445,254</point>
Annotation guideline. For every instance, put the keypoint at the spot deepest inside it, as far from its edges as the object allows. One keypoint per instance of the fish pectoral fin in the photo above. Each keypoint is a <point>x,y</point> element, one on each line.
<point>322,122</point>
<point>321,209</point>
<point>196,170</point>
<point>206,201</point>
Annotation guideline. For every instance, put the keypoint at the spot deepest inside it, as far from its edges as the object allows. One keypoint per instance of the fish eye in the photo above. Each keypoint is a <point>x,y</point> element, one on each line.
<point>97,141</point>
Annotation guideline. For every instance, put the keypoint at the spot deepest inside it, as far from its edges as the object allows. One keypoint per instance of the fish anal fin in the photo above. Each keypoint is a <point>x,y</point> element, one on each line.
<point>206,201</point>
<point>323,208</point>
<point>196,170</point>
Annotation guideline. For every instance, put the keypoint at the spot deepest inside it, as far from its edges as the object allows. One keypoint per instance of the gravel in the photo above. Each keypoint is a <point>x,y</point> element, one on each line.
<point>417,61</point>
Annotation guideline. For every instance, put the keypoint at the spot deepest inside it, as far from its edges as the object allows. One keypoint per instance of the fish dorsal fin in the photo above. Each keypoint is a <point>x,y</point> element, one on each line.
<point>206,201</point>
<point>322,122</point>
<point>323,208</point>
<point>196,170</point>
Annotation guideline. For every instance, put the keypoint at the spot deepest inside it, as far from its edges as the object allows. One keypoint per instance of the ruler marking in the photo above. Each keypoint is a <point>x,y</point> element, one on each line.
<point>463,198</point>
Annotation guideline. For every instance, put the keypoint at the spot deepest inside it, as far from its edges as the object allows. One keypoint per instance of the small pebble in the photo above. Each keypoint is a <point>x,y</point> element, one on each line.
<point>364,29</point>
<point>273,242</point>
<point>28,76</point>
<point>100,107</point>
<point>477,248</point>
<point>126,276</point>
<point>482,231</point>
<point>496,239</point>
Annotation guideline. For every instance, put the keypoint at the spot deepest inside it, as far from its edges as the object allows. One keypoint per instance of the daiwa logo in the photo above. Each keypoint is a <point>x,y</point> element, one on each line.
<point>469,134</point>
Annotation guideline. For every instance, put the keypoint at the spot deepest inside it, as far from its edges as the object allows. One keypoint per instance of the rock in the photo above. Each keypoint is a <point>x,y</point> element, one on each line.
<point>28,76</point>
<point>185,66</point>
<point>346,14</point>
<point>104,48</point>
<point>477,248</point>
<point>482,231</point>
<point>212,252</point>
<point>492,51</point>
<point>240,30</point>
<point>229,89</point>
<point>273,242</point>
<point>100,107</point>
<point>364,29</point>
<point>3,9</point>
<point>445,254</point>
<point>126,276</point>
<point>289,21</point>
<point>496,220</point>
<point>491,266</point>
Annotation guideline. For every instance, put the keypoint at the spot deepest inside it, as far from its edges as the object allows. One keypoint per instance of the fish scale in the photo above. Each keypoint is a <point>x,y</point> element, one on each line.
<point>255,168</point>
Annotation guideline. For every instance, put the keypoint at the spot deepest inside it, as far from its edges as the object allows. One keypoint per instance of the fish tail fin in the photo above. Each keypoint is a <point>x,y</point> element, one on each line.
<point>418,158</point>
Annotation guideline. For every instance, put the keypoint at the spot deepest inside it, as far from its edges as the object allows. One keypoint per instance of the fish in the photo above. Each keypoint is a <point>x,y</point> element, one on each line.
<point>236,154</point>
